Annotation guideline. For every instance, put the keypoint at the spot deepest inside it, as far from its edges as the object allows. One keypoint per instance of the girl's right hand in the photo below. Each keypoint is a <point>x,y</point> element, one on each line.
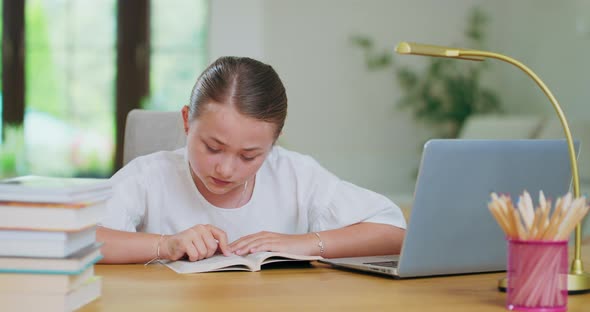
<point>198,242</point>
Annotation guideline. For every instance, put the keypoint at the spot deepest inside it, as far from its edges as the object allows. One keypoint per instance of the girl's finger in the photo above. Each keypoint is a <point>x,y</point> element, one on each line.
<point>221,238</point>
<point>210,244</point>
<point>191,251</point>
<point>201,248</point>
<point>242,242</point>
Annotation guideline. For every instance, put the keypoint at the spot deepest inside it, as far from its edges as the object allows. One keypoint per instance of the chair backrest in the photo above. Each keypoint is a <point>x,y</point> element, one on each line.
<point>502,127</point>
<point>151,131</point>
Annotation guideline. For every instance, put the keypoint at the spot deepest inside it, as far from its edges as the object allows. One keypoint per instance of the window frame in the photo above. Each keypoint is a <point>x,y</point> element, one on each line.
<point>133,64</point>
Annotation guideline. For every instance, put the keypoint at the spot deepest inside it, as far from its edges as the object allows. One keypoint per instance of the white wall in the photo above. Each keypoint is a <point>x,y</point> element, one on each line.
<point>236,28</point>
<point>546,36</point>
<point>345,116</point>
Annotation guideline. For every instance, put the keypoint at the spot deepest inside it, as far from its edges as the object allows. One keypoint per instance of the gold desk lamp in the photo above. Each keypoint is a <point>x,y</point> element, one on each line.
<point>578,281</point>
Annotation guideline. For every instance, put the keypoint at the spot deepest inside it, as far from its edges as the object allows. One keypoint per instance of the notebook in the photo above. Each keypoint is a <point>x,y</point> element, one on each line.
<point>450,230</point>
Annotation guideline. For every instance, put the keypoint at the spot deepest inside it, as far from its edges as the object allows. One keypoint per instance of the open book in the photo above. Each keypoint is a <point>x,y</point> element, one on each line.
<point>251,262</point>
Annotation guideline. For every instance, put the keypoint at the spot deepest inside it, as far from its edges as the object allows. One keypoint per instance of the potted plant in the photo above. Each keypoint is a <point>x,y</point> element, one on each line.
<point>446,92</point>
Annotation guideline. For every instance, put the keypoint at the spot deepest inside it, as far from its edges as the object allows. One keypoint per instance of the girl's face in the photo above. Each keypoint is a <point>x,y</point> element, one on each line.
<point>225,148</point>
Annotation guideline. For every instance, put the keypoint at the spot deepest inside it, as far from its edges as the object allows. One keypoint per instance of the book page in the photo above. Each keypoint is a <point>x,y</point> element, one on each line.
<point>215,263</point>
<point>251,262</point>
<point>261,258</point>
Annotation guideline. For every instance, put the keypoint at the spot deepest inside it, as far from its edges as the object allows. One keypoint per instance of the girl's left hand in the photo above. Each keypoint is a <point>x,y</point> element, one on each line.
<point>299,244</point>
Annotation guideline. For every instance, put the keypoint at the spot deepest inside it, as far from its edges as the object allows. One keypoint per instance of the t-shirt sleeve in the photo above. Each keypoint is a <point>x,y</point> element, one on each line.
<point>126,207</point>
<point>335,203</point>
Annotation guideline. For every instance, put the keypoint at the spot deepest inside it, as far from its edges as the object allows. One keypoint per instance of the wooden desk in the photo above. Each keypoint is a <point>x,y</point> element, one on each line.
<point>319,287</point>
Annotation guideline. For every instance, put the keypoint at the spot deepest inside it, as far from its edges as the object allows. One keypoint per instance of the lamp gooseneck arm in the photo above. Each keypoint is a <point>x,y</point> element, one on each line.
<point>578,280</point>
<point>577,266</point>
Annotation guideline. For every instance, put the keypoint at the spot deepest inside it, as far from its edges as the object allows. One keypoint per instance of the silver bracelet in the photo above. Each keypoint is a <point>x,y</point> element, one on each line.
<point>320,243</point>
<point>157,258</point>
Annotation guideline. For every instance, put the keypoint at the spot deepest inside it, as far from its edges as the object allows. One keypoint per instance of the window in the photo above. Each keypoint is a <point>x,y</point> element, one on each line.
<point>70,72</point>
<point>1,24</point>
<point>178,51</point>
<point>84,68</point>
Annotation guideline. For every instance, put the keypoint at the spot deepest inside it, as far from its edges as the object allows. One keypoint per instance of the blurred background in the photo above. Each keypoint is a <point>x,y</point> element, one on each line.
<point>72,69</point>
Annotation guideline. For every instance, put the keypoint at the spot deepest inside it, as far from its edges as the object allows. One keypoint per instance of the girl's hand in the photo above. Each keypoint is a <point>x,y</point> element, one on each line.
<point>299,244</point>
<point>198,242</point>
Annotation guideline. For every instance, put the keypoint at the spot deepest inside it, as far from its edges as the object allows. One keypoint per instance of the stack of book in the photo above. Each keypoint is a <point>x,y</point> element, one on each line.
<point>48,242</point>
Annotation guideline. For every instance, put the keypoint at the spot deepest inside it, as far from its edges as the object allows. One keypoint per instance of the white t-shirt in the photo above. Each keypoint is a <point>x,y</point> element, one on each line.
<point>292,194</point>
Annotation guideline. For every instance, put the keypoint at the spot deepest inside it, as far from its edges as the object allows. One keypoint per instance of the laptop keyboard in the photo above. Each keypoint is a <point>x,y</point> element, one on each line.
<point>389,264</point>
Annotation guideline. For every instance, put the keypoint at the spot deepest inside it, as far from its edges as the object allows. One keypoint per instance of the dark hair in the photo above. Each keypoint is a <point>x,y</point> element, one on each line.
<point>252,87</point>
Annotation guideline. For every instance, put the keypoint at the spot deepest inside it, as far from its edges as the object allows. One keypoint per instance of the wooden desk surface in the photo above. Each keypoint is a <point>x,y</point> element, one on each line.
<point>157,288</point>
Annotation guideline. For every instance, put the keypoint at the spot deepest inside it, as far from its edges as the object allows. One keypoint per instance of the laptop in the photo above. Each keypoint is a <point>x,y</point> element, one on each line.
<point>451,230</point>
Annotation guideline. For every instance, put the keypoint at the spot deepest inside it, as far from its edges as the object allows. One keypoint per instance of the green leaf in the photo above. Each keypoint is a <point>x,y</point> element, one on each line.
<point>362,41</point>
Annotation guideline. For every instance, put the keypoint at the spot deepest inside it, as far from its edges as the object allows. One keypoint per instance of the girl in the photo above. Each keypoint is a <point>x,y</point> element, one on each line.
<point>232,190</point>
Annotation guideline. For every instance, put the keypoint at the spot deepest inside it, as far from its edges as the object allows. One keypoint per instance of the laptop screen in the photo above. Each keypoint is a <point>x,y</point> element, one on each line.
<point>451,230</point>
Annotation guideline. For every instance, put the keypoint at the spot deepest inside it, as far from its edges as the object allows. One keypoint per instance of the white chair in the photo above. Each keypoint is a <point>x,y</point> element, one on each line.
<point>501,127</point>
<point>151,131</point>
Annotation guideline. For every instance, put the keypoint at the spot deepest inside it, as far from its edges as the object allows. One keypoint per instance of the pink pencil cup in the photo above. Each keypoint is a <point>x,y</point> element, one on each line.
<point>537,276</point>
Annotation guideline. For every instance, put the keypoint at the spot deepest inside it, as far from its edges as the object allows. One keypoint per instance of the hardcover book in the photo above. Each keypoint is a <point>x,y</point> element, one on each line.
<point>44,244</point>
<point>72,265</point>
<point>54,189</point>
<point>43,283</point>
<point>70,301</point>
<point>50,216</point>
